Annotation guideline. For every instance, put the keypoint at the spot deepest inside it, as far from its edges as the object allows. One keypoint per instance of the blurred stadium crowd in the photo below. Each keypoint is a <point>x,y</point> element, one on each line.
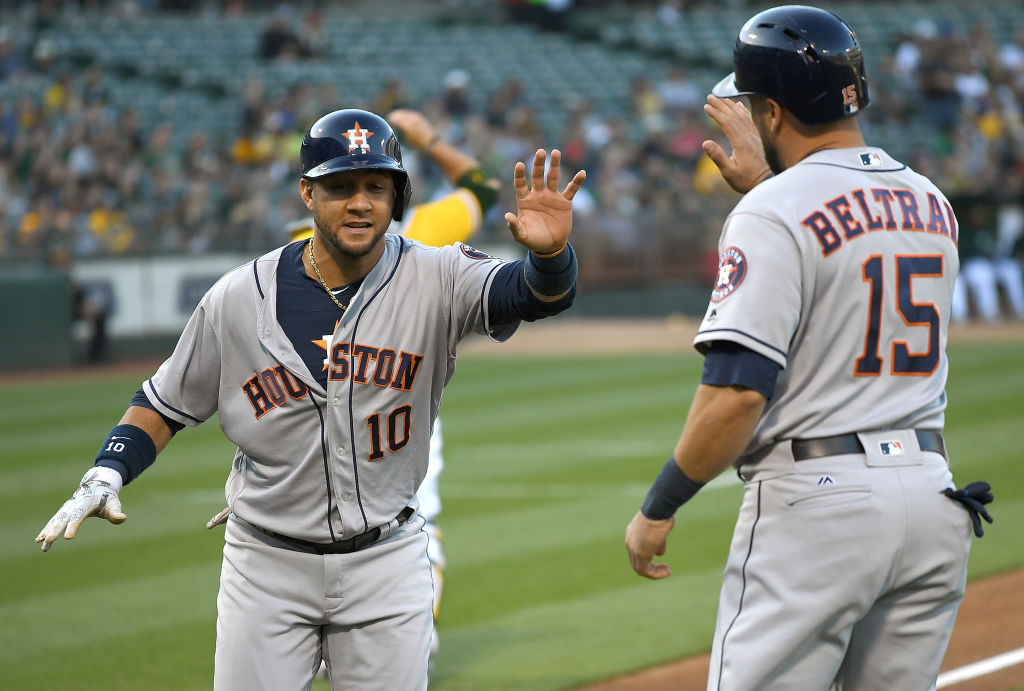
<point>138,126</point>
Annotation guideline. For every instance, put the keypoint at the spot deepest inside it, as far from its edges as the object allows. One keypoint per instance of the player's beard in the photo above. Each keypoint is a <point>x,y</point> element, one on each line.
<point>771,154</point>
<point>759,112</point>
<point>350,250</point>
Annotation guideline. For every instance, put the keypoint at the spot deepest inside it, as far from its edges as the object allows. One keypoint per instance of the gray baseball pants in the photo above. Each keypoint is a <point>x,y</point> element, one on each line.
<point>844,572</point>
<point>367,613</point>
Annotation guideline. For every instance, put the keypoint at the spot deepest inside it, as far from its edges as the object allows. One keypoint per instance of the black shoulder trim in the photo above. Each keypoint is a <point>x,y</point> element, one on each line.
<point>862,170</point>
<point>170,407</point>
<point>256,275</point>
<point>742,333</point>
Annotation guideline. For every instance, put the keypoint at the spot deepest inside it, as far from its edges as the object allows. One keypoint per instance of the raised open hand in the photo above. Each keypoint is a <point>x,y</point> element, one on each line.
<point>544,218</point>
<point>746,167</point>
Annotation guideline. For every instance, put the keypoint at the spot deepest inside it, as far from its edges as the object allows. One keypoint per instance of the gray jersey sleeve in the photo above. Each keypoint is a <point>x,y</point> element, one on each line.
<point>756,299</point>
<point>470,273</point>
<point>186,386</point>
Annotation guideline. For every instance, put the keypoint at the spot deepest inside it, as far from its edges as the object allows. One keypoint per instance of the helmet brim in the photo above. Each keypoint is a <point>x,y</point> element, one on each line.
<point>727,88</point>
<point>342,164</point>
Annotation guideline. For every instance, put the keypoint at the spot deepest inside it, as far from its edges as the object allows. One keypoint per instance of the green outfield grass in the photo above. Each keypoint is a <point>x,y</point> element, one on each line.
<point>547,460</point>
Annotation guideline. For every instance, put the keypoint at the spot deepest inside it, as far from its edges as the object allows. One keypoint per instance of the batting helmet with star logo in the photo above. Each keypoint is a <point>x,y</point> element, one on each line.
<point>355,139</point>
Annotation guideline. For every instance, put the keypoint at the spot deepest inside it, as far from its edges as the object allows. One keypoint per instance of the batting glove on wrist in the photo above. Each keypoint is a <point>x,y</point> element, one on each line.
<point>96,496</point>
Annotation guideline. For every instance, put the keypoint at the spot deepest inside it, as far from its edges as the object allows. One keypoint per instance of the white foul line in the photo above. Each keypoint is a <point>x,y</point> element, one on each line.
<point>980,669</point>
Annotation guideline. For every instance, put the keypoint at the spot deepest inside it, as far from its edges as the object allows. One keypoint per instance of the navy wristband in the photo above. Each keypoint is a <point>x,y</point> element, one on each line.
<point>551,275</point>
<point>671,489</point>
<point>129,450</point>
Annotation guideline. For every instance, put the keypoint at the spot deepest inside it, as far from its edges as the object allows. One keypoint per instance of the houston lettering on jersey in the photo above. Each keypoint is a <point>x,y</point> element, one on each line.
<point>367,365</point>
<point>273,387</point>
<point>849,216</point>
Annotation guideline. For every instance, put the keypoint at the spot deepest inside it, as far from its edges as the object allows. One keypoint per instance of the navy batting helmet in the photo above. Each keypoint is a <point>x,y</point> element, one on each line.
<point>807,59</point>
<point>355,140</point>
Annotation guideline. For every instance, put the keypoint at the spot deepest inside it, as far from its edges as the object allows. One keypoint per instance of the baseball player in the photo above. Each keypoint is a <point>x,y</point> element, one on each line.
<point>452,218</point>
<point>824,375</point>
<point>326,360</point>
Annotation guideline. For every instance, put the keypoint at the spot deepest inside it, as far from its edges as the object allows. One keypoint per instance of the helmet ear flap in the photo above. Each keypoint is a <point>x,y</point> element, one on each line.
<point>403,195</point>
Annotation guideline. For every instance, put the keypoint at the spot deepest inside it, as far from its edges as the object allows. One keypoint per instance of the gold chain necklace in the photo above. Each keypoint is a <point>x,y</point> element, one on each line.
<point>321,278</point>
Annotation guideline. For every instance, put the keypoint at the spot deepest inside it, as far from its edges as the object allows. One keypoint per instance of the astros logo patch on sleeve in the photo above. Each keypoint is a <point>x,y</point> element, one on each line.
<point>732,267</point>
<point>474,253</point>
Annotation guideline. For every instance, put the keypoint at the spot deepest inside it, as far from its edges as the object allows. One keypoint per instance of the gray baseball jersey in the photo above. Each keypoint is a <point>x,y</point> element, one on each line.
<point>842,272</point>
<point>325,465</point>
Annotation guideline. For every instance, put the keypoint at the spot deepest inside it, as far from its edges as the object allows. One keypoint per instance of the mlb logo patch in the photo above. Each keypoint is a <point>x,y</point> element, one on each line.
<point>871,160</point>
<point>891,448</point>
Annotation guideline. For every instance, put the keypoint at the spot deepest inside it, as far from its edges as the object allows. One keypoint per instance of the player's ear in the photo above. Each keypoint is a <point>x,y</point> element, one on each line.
<point>306,190</point>
<point>776,114</point>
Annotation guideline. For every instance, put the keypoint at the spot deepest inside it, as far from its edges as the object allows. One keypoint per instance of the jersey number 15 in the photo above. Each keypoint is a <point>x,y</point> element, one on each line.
<point>902,361</point>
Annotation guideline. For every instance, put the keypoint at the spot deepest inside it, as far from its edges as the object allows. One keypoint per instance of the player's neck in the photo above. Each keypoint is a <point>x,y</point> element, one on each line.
<point>338,268</point>
<point>845,134</point>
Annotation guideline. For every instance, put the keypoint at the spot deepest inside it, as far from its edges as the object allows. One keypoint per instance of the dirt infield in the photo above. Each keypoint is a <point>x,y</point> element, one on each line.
<point>657,335</point>
<point>590,337</point>
<point>990,622</point>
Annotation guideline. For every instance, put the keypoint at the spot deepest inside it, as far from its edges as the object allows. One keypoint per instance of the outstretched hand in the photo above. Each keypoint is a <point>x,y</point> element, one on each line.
<point>97,495</point>
<point>544,218</point>
<point>646,539</point>
<point>747,167</point>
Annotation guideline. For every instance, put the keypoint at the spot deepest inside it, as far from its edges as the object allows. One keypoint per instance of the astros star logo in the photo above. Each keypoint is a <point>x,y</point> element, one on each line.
<point>724,273</point>
<point>325,343</point>
<point>357,138</point>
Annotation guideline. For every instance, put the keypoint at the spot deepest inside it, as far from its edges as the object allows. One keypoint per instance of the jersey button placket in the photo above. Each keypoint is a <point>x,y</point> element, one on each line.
<point>346,496</point>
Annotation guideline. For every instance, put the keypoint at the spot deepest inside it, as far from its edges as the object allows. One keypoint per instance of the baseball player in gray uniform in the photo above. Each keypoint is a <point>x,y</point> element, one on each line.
<point>823,383</point>
<point>326,360</point>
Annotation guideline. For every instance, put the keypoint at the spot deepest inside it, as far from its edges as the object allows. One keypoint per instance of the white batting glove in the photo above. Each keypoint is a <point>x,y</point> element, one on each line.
<point>96,496</point>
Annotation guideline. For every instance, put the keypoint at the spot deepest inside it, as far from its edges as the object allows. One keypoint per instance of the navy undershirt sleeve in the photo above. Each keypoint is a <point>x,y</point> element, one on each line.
<point>142,400</point>
<point>730,364</point>
<point>510,299</point>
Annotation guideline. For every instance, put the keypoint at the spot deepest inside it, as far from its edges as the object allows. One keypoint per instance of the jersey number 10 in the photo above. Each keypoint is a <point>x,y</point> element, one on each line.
<point>902,362</point>
<point>397,431</point>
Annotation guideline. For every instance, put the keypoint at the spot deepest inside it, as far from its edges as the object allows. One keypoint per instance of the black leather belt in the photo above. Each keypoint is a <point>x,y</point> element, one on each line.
<point>352,544</point>
<point>806,449</point>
